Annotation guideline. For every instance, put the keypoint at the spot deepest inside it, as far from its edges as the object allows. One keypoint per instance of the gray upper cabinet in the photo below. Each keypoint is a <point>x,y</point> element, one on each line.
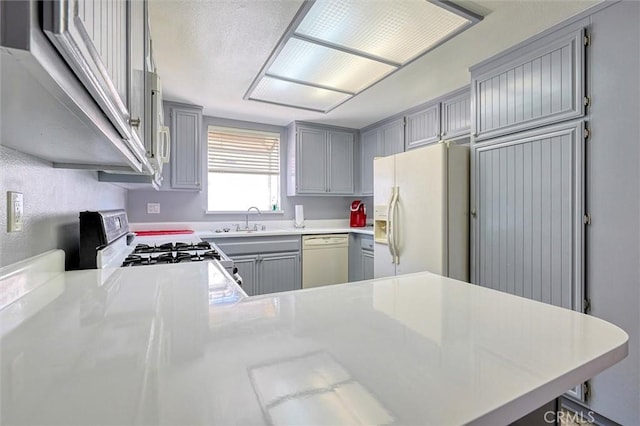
<point>444,118</point>
<point>341,146</point>
<point>391,138</point>
<point>537,85</point>
<point>423,127</point>
<point>528,227</point>
<point>186,148</point>
<point>93,38</point>
<point>312,160</point>
<point>368,151</point>
<point>380,141</point>
<point>456,116</point>
<point>138,41</point>
<point>320,160</point>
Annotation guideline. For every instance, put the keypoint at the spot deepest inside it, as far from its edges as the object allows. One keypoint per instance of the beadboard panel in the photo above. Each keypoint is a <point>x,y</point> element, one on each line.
<point>537,88</point>
<point>99,18</point>
<point>529,215</point>
<point>456,116</point>
<point>423,127</point>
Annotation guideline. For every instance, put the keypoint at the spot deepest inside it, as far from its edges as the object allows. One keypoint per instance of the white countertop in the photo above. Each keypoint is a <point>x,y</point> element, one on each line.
<point>287,231</point>
<point>176,344</point>
<point>273,228</point>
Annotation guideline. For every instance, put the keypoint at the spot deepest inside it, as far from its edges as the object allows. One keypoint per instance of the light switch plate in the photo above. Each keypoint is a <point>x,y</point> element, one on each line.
<point>15,209</point>
<point>153,208</point>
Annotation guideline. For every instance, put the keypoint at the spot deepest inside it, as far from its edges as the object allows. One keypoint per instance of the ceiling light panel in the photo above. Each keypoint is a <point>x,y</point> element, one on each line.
<point>323,66</point>
<point>288,93</point>
<point>397,31</point>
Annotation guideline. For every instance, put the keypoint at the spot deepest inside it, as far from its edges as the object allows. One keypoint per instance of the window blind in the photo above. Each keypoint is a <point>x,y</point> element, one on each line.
<point>233,150</point>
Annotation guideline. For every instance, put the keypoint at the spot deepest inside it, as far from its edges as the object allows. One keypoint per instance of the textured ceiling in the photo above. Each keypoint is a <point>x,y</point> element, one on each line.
<point>208,52</point>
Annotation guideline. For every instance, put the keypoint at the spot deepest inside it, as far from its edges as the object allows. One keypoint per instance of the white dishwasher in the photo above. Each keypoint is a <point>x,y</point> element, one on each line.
<point>325,259</point>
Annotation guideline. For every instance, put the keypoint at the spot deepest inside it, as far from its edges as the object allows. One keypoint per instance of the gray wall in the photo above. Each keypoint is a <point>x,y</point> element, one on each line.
<point>186,206</point>
<point>52,200</point>
<point>613,199</point>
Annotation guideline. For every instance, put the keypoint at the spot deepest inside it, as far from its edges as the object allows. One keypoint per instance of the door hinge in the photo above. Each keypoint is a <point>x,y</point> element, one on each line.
<point>587,306</point>
<point>586,390</point>
<point>404,121</point>
<point>586,219</point>
<point>587,133</point>
<point>586,101</point>
<point>587,40</point>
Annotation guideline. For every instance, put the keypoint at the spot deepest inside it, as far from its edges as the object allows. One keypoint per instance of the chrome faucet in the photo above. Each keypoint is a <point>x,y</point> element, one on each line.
<point>246,223</point>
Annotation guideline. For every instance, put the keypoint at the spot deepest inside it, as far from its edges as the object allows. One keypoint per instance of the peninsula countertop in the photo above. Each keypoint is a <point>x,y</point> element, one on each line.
<point>176,344</point>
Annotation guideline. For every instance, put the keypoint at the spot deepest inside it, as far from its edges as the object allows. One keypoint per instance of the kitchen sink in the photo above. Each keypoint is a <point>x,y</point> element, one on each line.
<point>252,230</point>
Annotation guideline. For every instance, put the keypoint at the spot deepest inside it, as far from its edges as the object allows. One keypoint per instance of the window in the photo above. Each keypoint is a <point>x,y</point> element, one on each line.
<point>244,169</point>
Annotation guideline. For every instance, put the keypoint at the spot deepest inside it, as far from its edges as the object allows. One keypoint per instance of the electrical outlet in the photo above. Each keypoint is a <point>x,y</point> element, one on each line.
<point>15,211</point>
<point>153,208</point>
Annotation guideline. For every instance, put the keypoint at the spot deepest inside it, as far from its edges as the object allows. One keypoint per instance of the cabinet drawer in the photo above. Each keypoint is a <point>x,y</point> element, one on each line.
<point>366,242</point>
<point>248,245</point>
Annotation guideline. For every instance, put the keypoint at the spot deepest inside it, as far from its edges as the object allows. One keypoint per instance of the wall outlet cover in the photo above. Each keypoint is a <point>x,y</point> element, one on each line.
<point>15,210</point>
<point>153,208</point>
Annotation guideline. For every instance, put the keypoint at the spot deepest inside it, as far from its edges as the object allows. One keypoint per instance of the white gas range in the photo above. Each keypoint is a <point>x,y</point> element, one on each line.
<point>105,242</point>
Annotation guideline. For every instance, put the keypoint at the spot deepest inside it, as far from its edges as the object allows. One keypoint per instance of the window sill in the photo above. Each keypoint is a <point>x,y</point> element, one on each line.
<point>252,212</point>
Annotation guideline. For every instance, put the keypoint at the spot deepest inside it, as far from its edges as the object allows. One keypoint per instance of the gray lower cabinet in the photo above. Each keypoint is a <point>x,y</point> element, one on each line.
<point>247,268</point>
<point>278,272</point>
<point>366,257</point>
<point>266,264</point>
<point>320,160</point>
<point>360,257</point>
<point>269,273</point>
<point>537,85</point>
<point>186,149</point>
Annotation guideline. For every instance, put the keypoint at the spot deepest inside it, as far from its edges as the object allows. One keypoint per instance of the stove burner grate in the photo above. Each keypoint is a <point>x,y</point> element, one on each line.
<point>174,252</point>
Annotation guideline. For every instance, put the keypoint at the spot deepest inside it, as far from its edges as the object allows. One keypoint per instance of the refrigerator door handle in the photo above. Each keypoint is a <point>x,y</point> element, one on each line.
<point>389,233</point>
<point>393,241</point>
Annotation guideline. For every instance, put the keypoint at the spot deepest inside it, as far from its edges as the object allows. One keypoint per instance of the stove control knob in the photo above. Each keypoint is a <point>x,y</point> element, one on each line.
<point>235,270</point>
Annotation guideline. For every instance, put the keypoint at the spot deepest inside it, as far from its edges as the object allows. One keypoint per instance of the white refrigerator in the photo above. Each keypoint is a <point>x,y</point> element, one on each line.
<point>421,212</point>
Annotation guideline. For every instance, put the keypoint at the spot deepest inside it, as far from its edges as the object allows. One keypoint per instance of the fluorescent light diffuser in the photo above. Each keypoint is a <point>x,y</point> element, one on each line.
<point>319,65</point>
<point>297,95</point>
<point>335,49</point>
<point>397,31</point>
